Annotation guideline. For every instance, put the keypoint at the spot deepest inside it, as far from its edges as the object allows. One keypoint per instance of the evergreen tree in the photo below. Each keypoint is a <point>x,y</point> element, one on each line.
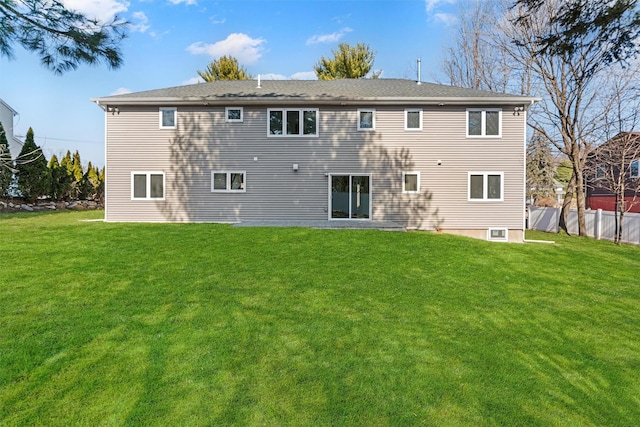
<point>58,178</point>
<point>62,37</point>
<point>540,168</point>
<point>348,62</point>
<point>224,68</point>
<point>32,172</point>
<point>66,164</point>
<point>6,164</point>
<point>78,177</point>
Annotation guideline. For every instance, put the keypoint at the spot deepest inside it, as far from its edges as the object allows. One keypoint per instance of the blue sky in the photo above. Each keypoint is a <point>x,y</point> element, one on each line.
<point>170,39</point>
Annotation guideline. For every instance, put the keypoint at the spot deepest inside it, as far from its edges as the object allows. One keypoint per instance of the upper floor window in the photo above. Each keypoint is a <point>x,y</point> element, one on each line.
<point>413,119</point>
<point>600,171</point>
<point>366,119</point>
<point>486,186</point>
<point>233,114</point>
<point>147,185</point>
<point>168,117</point>
<point>292,122</point>
<point>634,169</point>
<point>484,122</point>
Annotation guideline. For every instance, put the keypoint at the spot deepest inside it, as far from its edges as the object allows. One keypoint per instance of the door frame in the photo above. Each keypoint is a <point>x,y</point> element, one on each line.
<point>350,175</point>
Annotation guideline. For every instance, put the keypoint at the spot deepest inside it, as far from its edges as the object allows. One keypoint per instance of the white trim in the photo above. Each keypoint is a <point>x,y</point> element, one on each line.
<point>300,133</point>
<point>483,122</point>
<point>175,117</point>
<point>504,238</point>
<point>228,174</point>
<point>485,187</point>
<point>373,119</point>
<point>226,115</point>
<point>148,185</point>
<point>106,162</point>
<point>406,119</point>
<point>404,174</point>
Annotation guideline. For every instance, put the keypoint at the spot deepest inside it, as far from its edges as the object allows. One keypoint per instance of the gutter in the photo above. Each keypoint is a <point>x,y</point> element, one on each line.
<point>253,100</point>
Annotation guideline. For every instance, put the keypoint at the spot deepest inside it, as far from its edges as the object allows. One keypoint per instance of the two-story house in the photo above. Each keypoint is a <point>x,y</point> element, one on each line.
<point>426,156</point>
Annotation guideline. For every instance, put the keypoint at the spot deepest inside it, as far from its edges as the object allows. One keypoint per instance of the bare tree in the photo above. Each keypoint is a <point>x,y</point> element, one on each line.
<point>613,166</point>
<point>473,60</point>
<point>570,115</point>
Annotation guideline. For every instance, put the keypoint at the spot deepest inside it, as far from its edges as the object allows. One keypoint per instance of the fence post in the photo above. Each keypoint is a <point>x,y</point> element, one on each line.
<point>598,224</point>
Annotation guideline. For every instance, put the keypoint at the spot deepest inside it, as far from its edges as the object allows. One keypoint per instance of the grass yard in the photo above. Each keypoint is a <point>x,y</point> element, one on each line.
<point>205,324</point>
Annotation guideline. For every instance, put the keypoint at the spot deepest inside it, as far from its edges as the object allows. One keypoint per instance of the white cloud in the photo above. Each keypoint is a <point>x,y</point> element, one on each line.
<point>142,24</point>
<point>304,75</point>
<point>446,18</point>
<point>431,4</point>
<point>244,48</point>
<point>187,2</point>
<point>192,81</point>
<point>329,38</point>
<point>215,20</point>
<point>101,10</point>
<point>120,91</point>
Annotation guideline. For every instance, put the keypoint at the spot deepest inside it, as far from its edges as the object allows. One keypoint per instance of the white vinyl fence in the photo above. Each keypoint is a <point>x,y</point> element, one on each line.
<point>600,224</point>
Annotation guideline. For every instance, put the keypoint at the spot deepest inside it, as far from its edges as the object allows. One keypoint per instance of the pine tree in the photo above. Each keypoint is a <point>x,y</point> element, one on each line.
<point>62,37</point>
<point>77,177</point>
<point>224,68</point>
<point>32,172</point>
<point>6,164</point>
<point>540,168</point>
<point>58,178</point>
<point>348,62</point>
<point>66,164</point>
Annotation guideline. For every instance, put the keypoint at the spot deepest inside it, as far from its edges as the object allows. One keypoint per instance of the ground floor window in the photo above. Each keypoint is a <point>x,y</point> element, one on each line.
<point>486,186</point>
<point>228,181</point>
<point>147,185</point>
<point>410,182</point>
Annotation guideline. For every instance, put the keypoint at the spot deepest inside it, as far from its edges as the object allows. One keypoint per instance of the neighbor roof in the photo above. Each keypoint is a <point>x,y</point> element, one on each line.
<point>344,91</point>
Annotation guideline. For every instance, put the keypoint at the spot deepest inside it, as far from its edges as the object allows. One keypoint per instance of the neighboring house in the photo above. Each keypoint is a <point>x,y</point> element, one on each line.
<point>423,155</point>
<point>603,167</point>
<point>6,118</point>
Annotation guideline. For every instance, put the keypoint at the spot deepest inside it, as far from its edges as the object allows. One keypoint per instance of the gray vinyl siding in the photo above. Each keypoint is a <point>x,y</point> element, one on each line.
<point>203,142</point>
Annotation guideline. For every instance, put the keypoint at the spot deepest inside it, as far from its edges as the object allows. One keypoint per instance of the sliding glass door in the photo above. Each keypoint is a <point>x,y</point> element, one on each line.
<point>350,197</point>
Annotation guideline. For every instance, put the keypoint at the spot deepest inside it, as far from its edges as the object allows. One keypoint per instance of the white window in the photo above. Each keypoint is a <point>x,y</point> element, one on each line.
<point>292,122</point>
<point>168,118</point>
<point>498,234</point>
<point>413,119</point>
<point>600,171</point>
<point>486,186</point>
<point>484,123</point>
<point>233,114</point>
<point>410,182</point>
<point>366,119</point>
<point>147,185</point>
<point>634,169</point>
<point>228,181</point>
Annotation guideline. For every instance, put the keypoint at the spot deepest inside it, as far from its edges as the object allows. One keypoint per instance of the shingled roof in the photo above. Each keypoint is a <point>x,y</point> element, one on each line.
<point>345,91</point>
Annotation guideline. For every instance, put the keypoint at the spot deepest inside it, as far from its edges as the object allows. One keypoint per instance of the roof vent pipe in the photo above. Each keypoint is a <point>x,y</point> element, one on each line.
<point>259,86</point>
<point>419,76</point>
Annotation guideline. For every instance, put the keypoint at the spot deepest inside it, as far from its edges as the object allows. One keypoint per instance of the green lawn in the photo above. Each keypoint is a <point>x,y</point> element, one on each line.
<point>205,324</point>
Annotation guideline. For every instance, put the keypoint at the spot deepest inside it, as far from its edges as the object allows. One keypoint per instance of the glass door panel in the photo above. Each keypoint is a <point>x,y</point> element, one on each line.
<point>340,196</point>
<point>360,197</point>
<point>350,197</point>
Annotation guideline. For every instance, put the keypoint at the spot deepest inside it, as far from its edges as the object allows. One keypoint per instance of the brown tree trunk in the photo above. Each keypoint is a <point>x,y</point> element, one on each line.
<point>566,205</point>
<point>579,192</point>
